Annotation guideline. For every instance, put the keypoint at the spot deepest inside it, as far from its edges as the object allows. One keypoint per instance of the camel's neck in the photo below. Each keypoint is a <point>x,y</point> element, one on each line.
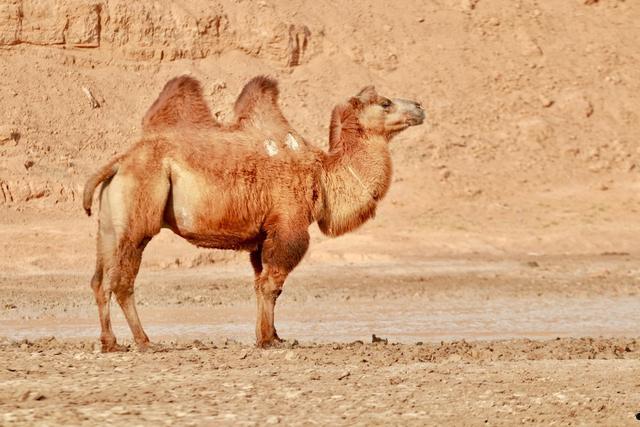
<point>356,175</point>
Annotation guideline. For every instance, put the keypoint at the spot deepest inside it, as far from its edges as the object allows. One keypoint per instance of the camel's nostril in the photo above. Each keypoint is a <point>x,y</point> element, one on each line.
<point>418,106</point>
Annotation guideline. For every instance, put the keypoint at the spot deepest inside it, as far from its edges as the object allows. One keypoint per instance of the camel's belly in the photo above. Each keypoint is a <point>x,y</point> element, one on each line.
<point>221,218</point>
<point>214,228</point>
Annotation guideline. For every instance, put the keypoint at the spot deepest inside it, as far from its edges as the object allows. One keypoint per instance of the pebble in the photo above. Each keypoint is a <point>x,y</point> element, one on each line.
<point>273,419</point>
<point>468,4</point>
<point>8,133</point>
<point>344,375</point>
<point>546,102</point>
<point>375,339</point>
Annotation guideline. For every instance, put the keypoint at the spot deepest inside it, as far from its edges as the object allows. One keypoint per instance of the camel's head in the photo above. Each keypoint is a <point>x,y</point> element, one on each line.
<point>380,115</point>
<point>368,113</point>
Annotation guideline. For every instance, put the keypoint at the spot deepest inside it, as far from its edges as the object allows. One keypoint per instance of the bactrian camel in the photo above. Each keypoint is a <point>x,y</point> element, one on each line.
<point>254,184</point>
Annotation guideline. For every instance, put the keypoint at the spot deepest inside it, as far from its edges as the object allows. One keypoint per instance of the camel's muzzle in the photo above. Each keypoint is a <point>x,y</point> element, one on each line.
<point>412,110</point>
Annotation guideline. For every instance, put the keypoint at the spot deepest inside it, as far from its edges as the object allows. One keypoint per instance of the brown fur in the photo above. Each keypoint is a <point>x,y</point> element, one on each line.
<point>258,103</point>
<point>181,103</point>
<point>255,186</point>
<point>105,173</point>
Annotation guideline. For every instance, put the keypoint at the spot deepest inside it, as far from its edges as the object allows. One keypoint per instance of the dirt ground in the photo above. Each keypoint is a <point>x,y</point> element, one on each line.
<point>565,381</point>
<point>543,340</point>
<point>501,274</point>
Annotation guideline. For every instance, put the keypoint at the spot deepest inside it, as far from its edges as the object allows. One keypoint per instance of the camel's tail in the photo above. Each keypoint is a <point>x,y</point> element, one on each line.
<point>105,172</point>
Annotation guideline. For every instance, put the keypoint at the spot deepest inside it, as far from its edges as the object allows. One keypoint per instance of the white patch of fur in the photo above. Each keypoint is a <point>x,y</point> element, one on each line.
<point>187,194</point>
<point>271,147</point>
<point>118,206</point>
<point>185,219</point>
<point>292,142</point>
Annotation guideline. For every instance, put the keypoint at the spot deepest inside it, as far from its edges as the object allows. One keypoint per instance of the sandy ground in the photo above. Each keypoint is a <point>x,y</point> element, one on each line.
<point>567,382</point>
<point>465,341</point>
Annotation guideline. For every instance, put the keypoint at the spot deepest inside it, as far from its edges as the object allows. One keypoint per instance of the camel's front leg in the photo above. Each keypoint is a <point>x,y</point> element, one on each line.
<point>268,288</point>
<point>256,263</point>
<point>280,253</point>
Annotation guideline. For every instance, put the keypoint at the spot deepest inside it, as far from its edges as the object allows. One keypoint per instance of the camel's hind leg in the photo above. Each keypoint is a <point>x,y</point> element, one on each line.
<point>131,210</point>
<point>123,275</point>
<point>102,293</point>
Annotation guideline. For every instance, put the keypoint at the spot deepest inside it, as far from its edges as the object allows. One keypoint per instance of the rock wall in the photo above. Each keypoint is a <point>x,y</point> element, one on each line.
<point>148,30</point>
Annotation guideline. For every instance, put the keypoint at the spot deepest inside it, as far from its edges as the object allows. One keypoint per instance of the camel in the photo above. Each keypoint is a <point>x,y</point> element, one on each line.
<point>254,185</point>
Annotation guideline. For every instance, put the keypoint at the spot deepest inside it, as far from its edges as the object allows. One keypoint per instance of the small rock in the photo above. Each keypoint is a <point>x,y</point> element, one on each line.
<point>588,109</point>
<point>32,395</point>
<point>92,99</point>
<point>290,355</point>
<point>533,264</point>
<point>28,164</point>
<point>468,4</point>
<point>243,354</point>
<point>8,133</point>
<point>546,102</point>
<point>273,419</point>
<point>375,339</point>
<point>344,375</point>
<point>473,192</point>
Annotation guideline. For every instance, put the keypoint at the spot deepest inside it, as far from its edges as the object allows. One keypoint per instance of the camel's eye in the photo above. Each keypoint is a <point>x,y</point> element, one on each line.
<point>386,104</point>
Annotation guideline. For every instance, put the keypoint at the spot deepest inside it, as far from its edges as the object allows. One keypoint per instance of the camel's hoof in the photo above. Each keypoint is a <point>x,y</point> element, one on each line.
<point>266,343</point>
<point>276,342</point>
<point>113,347</point>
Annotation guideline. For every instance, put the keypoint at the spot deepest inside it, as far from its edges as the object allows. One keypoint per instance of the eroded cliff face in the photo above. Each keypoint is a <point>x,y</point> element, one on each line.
<point>532,108</point>
<point>150,30</point>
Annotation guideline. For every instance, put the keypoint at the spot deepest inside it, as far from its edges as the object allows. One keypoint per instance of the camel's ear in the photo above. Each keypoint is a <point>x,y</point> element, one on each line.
<point>367,94</point>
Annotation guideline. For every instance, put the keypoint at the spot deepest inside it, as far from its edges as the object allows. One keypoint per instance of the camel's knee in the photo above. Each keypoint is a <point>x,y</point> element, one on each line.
<point>270,283</point>
<point>96,282</point>
<point>121,285</point>
<point>97,288</point>
<point>123,293</point>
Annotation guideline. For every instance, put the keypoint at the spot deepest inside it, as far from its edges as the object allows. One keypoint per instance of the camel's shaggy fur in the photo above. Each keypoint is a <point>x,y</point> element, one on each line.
<point>180,103</point>
<point>252,185</point>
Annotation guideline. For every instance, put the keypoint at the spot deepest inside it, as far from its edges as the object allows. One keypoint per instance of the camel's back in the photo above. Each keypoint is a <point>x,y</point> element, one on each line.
<point>247,157</point>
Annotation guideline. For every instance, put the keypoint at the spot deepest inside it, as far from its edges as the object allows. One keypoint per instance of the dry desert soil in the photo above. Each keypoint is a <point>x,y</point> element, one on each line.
<point>500,277</point>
